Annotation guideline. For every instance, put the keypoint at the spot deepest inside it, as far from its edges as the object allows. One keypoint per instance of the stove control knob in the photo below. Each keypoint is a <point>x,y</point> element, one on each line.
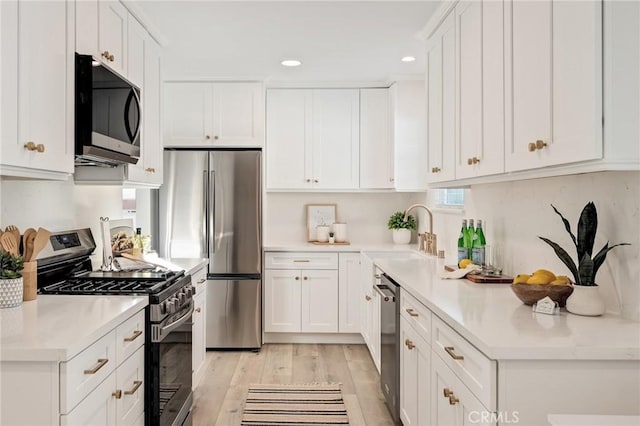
<point>171,306</point>
<point>182,297</point>
<point>189,292</point>
<point>163,308</point>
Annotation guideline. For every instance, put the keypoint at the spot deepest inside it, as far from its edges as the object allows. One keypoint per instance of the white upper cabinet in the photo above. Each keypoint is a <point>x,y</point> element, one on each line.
<point>312,139</point>
<point>441,96</point>
<point>112,34</point>
<point>289,138</point>
<point>554,83</point>
<point>136,38</point>
<point>480,96</point>
<point>376,141</point>
<point>408,109</point>
<point>148,170</point>
<point>37,106</point>
<point>205,114</point>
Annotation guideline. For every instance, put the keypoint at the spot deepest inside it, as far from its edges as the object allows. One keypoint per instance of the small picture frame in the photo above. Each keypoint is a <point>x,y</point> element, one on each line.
<point>112,228</point>
<point>319,214</point>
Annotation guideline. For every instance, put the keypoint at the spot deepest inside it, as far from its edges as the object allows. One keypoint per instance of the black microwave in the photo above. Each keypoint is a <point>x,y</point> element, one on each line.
<point>108,115</point>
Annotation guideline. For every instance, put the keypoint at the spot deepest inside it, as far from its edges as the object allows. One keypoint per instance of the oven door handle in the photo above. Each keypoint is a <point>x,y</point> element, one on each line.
<point>164,331</point>
<point>385,297</point>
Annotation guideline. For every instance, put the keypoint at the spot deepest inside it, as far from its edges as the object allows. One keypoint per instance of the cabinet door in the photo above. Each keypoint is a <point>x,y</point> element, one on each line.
<point>441,95</point>
<point>376,141</point>
<point>319,301</point>
<point>97,409</point>
<point>349,299</point>
<point>366,277</point>
<point>130,380</point>
<point>87,28</point>
<point>237,114</point>
<point>199,350</point>
<point>554,64</point>
<point>187,118</point>
<point>408,106</point>
<point>282,296</point>
<point>136,37</point>
<point>374,321</point>
<point>148,170</point>
<point>37,106</point>
<point>336,138</point>
<point>480,121</point>
<point>112,37</point>
<point>415,373</point>
<point>289,123</point>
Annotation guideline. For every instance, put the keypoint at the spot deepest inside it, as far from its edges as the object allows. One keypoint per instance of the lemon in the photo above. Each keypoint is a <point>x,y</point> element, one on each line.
<point>549,276</point>
<point>464,263</point>
<point>539,279</point>
<point>521,278</point>
<point>561,280</point>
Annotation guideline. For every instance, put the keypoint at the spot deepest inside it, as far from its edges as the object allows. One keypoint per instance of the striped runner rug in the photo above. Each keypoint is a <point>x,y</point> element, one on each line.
<point>295,405</point>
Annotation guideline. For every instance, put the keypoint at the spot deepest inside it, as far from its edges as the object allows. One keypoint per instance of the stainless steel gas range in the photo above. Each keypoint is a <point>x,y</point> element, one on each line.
<point>66,269</point>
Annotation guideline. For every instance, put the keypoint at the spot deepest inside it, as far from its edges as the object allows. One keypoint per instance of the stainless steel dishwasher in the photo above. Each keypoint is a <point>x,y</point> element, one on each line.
<point>389,344</point>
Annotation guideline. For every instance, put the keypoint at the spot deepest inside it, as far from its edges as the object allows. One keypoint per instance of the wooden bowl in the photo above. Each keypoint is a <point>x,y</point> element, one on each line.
<point>531,293</point>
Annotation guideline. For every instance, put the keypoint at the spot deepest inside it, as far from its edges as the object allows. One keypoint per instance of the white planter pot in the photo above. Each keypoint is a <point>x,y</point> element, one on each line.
<point>585,300</point>
<point>401,236</point>
<point>10,292</point>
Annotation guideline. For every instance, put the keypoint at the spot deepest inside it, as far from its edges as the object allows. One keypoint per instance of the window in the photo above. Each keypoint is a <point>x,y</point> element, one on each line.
<point>450,197</point>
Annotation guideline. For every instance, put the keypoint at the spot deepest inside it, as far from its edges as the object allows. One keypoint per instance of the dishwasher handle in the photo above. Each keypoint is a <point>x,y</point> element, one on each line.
<point>385,292</point>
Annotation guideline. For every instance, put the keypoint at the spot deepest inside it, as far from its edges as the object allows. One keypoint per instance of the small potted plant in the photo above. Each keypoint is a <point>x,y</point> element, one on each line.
<point>401,228</point>
<point>332,239</point>
<point>11,285</point>
<point>585,299</point>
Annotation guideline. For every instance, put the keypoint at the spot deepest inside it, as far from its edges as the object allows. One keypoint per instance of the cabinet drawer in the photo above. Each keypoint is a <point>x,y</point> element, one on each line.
<point>292,260</point>
<point>96,409</point>
<point>85,371</point>
<point>416,314</point>
<point>199,279</point>
<point>129,336</point>
<point>473,368</point>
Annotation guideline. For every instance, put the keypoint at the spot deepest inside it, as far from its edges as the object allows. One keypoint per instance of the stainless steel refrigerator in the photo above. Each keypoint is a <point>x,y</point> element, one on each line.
<point>210,205</point>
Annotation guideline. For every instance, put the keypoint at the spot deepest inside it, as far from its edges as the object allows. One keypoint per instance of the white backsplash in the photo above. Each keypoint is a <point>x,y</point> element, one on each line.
<point>59,206</point>
<point>366,214</point>
<point>516,213</point>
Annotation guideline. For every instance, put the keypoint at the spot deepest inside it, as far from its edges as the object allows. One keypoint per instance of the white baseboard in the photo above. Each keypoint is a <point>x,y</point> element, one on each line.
<point>323,338</point>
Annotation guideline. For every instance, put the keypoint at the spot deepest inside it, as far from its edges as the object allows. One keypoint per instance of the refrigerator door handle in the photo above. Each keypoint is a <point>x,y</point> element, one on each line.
<point>212,213</point>
<point>203,234</point>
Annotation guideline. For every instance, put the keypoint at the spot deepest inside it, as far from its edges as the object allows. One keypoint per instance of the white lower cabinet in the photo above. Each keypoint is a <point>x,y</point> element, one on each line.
<point>452,403</point>
<point>415,366</point>
<point>199,281</point>
<point>312,292</point>
<point>370,309</point>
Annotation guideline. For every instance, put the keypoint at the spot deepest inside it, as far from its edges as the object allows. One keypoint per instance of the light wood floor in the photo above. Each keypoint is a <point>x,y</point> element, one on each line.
<point>219,398</point>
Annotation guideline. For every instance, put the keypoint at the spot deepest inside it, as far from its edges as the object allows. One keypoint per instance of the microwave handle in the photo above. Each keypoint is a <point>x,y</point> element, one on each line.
<point>132,135</point>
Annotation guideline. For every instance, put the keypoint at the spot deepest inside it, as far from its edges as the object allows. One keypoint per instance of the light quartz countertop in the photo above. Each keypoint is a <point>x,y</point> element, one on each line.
<point>55,328</point>
<point>352,247</point>
<point>494,320</point>
<point>190,265</point>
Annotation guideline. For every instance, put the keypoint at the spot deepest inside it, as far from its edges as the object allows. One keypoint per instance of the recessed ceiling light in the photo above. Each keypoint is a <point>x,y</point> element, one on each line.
<point>291,63</point>
<point>408,59</point>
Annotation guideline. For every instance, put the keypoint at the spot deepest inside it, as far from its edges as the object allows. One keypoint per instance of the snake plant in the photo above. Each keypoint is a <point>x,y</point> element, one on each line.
<point>585,272</point>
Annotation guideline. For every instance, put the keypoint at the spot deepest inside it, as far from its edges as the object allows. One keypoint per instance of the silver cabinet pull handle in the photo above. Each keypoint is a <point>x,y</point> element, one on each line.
<point>136,334</point>
<point>449,350</point>
<point>101,363</point>
<point>136,385</point>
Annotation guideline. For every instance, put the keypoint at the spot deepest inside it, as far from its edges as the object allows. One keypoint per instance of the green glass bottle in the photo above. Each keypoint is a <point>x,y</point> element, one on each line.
<point>478,246</point>
<point>463,252</point>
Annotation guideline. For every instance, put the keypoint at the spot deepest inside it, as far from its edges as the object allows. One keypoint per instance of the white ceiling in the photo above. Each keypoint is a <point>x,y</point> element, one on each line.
<point>337,41</point>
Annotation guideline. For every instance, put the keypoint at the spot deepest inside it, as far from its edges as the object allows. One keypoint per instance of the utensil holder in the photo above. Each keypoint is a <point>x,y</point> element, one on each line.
<point>30,281</point>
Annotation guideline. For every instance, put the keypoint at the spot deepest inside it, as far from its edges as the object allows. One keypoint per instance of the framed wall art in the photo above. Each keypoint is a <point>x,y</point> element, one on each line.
<point>319,214</point>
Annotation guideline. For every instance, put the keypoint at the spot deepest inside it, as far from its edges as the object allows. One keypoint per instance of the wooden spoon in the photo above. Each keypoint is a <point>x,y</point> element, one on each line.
<point>29,234</point>
<point>15,232</point>
<point>40,241</point>
<point>9,243</point>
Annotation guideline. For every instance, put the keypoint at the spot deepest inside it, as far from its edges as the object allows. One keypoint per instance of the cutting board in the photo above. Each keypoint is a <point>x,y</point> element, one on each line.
<point>483,279</point>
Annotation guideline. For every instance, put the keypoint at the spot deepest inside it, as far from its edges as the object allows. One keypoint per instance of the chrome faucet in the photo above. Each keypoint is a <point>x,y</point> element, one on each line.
<point>427,241</point>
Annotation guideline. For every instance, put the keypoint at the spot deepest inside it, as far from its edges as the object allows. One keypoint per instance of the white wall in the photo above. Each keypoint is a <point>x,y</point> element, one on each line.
<point>366,215</point>
<point>516,213</point>
<point>59,206</point>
